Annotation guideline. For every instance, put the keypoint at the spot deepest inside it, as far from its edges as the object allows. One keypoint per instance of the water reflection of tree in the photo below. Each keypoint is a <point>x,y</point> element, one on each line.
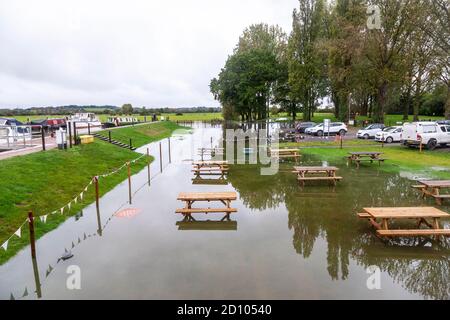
<point>333,218</point>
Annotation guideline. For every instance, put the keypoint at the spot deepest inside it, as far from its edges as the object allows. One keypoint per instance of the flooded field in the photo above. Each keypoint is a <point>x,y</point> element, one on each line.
<point>285,241</point>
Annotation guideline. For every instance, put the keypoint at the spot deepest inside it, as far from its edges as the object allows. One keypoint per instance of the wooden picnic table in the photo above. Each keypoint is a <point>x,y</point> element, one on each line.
<point>316,173</point>
<point>432,188</point>
<point>192,197</point>
<point>210,167</point>
<point>285,153</point>
<point>359,157</point>
<point>420,214</point>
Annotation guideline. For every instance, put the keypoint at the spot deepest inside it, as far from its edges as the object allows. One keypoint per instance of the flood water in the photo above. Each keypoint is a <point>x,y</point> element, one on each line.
<point>285,242</point>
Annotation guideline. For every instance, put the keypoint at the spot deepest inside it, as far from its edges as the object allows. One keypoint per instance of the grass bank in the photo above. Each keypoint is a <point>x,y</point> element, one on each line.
<point>45,181</point>
<point>144,133</point>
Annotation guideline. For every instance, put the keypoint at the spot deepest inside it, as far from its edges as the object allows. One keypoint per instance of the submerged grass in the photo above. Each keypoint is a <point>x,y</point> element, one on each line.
<point>436,163</point>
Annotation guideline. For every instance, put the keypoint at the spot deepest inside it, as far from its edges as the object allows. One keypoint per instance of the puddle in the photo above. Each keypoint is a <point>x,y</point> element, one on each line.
<point>284,242</point>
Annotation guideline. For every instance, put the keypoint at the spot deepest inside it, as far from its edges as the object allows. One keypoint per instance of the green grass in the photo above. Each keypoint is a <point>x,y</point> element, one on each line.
<point>329,143</point>
<point>144,133</point>
<point>399,159</point>
<point>45,181</point>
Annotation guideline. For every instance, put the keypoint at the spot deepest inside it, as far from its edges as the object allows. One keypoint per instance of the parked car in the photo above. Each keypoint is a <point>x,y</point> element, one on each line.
<point>302,126</point>
<point>334,129</point>
<point>389,135</point>
<point>446,122</point>
<point>428,133</point>
<point>370,131</point>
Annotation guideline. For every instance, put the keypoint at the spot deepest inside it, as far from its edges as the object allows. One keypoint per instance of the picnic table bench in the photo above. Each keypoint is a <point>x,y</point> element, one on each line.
<point>285,153</point>
<point>192,197</point>
<point>316,174</point>
<point>212,152</point>
<point>432,188</point>
<point>210,167</point>
<point>420,214</point>
<point>359,157</point>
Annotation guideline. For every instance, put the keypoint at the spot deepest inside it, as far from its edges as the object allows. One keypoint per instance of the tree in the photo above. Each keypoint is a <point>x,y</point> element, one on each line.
<point>251,77</point>
<point>438,28</point>
<point>385,47</point>
<point>345,66</point>
<point>127,109</point>
<point>306,63</point>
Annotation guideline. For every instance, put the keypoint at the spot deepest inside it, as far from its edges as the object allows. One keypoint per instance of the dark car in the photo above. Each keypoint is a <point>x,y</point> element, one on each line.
<point>302,126</point>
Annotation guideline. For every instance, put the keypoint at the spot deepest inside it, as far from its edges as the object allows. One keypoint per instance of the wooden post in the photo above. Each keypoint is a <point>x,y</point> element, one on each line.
<point>342,139</point>
<point>32,236</point>
<point>33,254</point>
<point>89,128</point>
<point>382,140</point>
<point>70,135</point>
<point>170,156</point>
<point>131,144</point>
<point>109,135</point>
<point>129,180</point>
<point>160,156</point>
<point>75,133</point>
<point>97,196</point>
<point>43,138</point>
<point>148,166</point>
<point>420,146</point>
<point>211,143</point>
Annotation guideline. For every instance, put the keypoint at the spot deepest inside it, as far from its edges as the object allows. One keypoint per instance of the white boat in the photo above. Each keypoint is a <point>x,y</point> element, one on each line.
<point>85,120</point>
<point>12,134</point>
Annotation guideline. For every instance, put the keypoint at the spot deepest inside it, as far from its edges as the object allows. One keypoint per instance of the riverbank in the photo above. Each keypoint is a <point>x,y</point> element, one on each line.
<point>45,181</point>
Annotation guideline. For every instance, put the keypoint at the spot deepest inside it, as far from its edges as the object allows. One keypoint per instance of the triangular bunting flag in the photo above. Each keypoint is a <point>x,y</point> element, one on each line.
<point>5,245</point>
<point>18,232</point>
<point>79,240</point>
<point>75,200</point>
<point>84,238</point>
<point>25,293</point>
<point>11,297</point>
<point>43,218</point>
<point>65,250</point>
<point>70,204</point>
<point>62,210</point>
<point>81,195</point>
<point>50,269</point>
<point>73,246</point>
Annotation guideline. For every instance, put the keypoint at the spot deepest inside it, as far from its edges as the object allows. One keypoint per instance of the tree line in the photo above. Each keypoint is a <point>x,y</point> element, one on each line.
<point>366,57</point>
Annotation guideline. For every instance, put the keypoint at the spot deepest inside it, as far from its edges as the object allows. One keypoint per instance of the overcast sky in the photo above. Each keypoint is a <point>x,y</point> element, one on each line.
<point>145,52</point>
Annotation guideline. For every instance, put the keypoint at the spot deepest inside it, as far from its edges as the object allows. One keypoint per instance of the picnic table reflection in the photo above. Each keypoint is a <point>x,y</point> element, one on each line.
<point>207,225</point>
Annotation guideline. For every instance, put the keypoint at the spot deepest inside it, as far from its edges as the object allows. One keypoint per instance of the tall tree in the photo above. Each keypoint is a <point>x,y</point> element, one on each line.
<point>306,62</point>
<point>384,48</point>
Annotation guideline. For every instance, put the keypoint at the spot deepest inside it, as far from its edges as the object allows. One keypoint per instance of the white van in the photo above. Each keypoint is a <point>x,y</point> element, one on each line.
<point>430,134</point>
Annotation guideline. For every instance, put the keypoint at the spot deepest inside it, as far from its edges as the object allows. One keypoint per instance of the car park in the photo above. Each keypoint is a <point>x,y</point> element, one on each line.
<point>335,128</point>
<point>430,134</point>
<point>370,131</point>
<point>302,126</point>
<point>389,135</point>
